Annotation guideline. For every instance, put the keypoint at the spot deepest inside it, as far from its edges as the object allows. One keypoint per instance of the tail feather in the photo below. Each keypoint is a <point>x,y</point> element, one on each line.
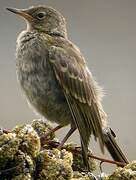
<point>85,155</point>
<point>112,146</point>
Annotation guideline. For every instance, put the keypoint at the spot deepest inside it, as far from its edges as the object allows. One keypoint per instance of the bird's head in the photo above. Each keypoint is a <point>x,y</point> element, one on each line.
<point>43,19</point>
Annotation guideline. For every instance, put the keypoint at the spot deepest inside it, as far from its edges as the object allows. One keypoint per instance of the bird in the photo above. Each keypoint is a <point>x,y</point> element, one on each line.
<point>54,76</point>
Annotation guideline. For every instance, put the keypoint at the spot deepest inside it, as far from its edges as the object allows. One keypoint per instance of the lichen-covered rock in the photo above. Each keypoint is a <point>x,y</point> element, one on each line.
<point>54,164</point>
<point>26,176</point>
<point>19,165</point>
<point>131,166</point>
<point>83,176</point>
<point>126,173</point>
<point>23,156</point>
<point>42,128</point>
<point>9,145</point>
<point>30,141</point>
<point>78,163</point>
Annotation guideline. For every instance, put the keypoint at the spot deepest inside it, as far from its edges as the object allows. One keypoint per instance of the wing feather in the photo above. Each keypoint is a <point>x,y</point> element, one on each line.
<point>78,87</point>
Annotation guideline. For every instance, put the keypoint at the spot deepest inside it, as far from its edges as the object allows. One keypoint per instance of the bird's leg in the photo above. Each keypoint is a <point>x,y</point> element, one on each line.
<point>44,137</point>
<point>53,130</point>
<point>70,132</point>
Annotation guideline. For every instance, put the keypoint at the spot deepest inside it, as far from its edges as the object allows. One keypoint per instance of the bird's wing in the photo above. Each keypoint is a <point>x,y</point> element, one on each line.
<point>77,84</point>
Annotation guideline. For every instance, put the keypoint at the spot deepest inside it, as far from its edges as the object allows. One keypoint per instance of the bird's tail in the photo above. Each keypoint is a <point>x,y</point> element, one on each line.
<point>112,146</point>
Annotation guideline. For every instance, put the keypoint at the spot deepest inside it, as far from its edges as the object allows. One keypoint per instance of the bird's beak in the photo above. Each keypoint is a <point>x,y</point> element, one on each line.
<point>21,12</point>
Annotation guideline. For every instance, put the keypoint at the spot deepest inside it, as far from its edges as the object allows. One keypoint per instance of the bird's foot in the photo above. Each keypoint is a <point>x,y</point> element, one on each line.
<point>45,137</point>
<point>70,132</point>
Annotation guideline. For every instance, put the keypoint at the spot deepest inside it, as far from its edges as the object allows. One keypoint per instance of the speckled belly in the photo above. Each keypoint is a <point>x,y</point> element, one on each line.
<point>45,95</point>
<point>37,79</point>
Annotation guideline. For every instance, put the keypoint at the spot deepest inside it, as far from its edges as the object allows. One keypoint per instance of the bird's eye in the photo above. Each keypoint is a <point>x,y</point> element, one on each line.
<point>41,15</point>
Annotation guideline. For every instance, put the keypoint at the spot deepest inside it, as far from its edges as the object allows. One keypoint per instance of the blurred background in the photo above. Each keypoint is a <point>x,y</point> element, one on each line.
<point>105,31</point>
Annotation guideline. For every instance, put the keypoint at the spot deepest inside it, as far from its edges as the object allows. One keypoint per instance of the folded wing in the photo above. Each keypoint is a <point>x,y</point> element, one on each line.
<point>78,87</point>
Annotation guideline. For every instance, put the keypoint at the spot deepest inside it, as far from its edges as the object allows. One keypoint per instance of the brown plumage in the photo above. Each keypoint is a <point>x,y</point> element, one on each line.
<point>77,84</point>
<point>57,82</point>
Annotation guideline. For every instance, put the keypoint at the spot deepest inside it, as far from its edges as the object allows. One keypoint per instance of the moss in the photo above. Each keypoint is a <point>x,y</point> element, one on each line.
<point>78,163</point>
<point>126,173</point>
<point>26,176</point>
<point>42,128</point>
<point>54,164</point>
<point>29,139</point>
<point>9,146</point>
<point>83,176</point>
<point>131,166</point>
<point>23,157</point>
